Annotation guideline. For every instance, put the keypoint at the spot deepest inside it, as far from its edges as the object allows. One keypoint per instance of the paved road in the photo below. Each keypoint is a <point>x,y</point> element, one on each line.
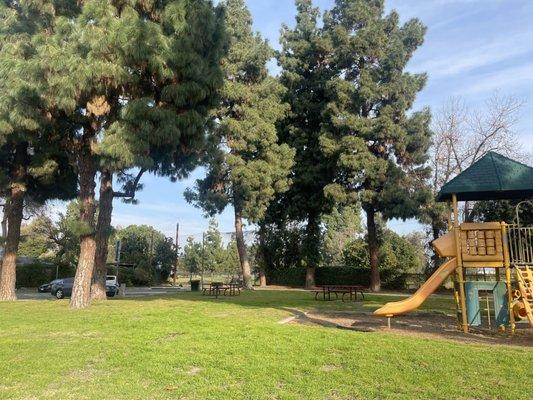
<point>32,294</point>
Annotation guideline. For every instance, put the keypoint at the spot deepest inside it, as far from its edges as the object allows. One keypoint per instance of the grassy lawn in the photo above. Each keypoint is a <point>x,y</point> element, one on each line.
<point>189,347</point>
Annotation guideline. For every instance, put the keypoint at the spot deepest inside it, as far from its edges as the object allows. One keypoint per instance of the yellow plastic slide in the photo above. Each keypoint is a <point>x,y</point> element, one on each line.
<point>413,302</point>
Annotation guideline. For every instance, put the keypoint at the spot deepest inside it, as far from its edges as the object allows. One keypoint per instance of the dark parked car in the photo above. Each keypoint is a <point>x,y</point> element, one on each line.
<point>63,288</point>
<point>47,286</point>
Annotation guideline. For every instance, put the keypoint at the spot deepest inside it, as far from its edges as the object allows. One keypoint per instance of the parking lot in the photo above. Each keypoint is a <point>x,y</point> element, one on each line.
<point>32,294</point>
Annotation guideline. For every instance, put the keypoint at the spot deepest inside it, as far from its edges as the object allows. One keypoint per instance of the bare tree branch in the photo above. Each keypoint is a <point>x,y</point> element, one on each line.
<point>463,136</point>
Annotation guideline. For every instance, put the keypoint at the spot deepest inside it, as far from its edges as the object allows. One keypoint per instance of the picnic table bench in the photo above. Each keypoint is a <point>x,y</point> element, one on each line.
<point>345,290</point>
<point>217,288</point>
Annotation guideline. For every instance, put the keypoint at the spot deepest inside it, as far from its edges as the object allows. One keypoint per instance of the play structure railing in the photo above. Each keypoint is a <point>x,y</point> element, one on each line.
<point>520,245</point>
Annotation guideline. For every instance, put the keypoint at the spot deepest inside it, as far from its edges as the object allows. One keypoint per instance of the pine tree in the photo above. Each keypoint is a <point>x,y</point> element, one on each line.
<point>192,256</point>
<point>341,226</point>
<point>134,79</point>
<point>31,161</point>
<point>249,166</point>
<point>305,73</point>
<point>231,264</point>
<point>213,249</point>
<point>166,144</point>
<point>380,148</point>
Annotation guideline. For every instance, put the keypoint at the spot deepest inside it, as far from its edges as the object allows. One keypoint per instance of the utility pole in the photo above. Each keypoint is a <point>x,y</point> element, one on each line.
<point>152,256</point>
<point>118,249</point>
<point>203,260</point>
<point>177,254</point>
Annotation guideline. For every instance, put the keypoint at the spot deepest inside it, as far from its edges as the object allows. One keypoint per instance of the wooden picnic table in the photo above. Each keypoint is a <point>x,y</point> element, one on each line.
<point>345,290</point>
<point>217,288</point>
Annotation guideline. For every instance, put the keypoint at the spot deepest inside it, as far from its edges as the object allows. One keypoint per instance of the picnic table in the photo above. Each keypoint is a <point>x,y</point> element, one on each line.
<point>344,290</point>
<point>217,288</point>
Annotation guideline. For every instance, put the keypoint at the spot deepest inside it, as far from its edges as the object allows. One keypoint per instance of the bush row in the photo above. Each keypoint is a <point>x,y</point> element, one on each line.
<point>390,279</point>
<point>35,274</point>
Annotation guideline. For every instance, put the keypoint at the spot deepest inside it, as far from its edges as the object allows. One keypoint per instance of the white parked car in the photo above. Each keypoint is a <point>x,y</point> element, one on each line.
<point>112,281</point>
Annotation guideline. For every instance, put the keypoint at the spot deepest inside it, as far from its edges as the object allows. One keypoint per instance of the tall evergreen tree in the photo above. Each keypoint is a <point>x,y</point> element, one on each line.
<point>380,148</point>
<point>192,256</point>
<point>213,249</point>
<point>31,161</point>
<point>304,59</point>
<point>250,167</point>
<point>341,226</point>
<point>137,79</point>
<point>168,145</point>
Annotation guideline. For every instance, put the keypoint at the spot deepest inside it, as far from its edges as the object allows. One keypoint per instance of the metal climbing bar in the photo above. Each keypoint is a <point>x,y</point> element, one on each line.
<point>520,244</point>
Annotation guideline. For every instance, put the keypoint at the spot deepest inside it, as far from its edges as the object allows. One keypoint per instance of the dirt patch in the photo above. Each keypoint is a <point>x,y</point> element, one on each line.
<point>194,371</point>
<point>421,325</point>
<point>169,337</point>
<point>329,368</point>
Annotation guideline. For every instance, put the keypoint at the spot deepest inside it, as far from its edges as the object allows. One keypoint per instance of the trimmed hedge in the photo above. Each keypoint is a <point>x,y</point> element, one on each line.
<point>36,274</point>
<point>336,276</point>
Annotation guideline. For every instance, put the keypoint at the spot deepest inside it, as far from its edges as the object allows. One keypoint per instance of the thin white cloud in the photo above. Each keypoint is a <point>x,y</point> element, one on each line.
<point>475,55</point>
<point>510,78</point>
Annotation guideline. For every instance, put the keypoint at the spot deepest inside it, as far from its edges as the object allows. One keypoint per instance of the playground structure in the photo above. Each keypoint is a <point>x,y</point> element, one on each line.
<point>490,245</point>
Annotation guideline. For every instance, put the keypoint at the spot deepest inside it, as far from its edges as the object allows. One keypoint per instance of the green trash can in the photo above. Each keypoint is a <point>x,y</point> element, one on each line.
<point>195,285</point>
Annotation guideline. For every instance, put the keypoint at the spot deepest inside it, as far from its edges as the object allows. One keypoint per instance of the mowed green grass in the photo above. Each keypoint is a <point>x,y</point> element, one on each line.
<point>187,346</point>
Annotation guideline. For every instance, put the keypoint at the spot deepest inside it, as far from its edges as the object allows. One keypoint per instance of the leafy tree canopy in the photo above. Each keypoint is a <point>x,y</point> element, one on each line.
<point>379,146</point>
<point>341,226</point>
<point>503,210</point>
<point>148,249</point>
<point>304,60</point>
<point>249,166</point>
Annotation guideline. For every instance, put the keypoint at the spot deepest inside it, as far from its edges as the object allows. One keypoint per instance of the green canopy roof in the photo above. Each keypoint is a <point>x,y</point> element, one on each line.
<point>492,177</point>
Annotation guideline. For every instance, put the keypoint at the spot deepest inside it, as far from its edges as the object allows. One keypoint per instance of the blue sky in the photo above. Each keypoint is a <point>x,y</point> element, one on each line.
<point>472,48</point>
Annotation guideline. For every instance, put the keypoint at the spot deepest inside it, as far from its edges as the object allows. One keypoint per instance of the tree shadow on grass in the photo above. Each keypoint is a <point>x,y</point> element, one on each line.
<point>279,299</point>
<point>301,308</point>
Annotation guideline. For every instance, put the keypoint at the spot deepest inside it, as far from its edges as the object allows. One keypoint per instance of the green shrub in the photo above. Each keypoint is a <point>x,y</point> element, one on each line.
<point>391,279</point>
<point>35,274</point>
<point>142,276</point>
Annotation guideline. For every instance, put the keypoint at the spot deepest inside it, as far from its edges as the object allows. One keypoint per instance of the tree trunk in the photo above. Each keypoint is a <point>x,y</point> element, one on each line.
<point>4,220</point>
<point>436,261</point>
<point>261,257</point>
<point>262,278</point>
<point>81,290</point>
<point>310,281</point>
<point>373,251</point>
<point>103,230</point>
<point>311,249</point>
<point>241,247</point>
<point>8,274</point>
<point>4,232</point>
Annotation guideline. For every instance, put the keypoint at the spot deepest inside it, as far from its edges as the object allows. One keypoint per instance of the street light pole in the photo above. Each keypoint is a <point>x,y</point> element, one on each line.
<point>177,254</point>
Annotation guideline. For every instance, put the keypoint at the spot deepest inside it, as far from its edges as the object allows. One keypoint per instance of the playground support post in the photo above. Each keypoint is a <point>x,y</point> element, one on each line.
<point>488,310</point>
<point>507,264</point>
<point>460,270</point>
<point>455,275</point>
<point>450,211</point>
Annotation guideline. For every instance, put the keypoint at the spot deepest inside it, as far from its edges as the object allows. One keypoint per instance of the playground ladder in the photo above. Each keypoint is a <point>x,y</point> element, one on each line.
<point>524,275</point>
